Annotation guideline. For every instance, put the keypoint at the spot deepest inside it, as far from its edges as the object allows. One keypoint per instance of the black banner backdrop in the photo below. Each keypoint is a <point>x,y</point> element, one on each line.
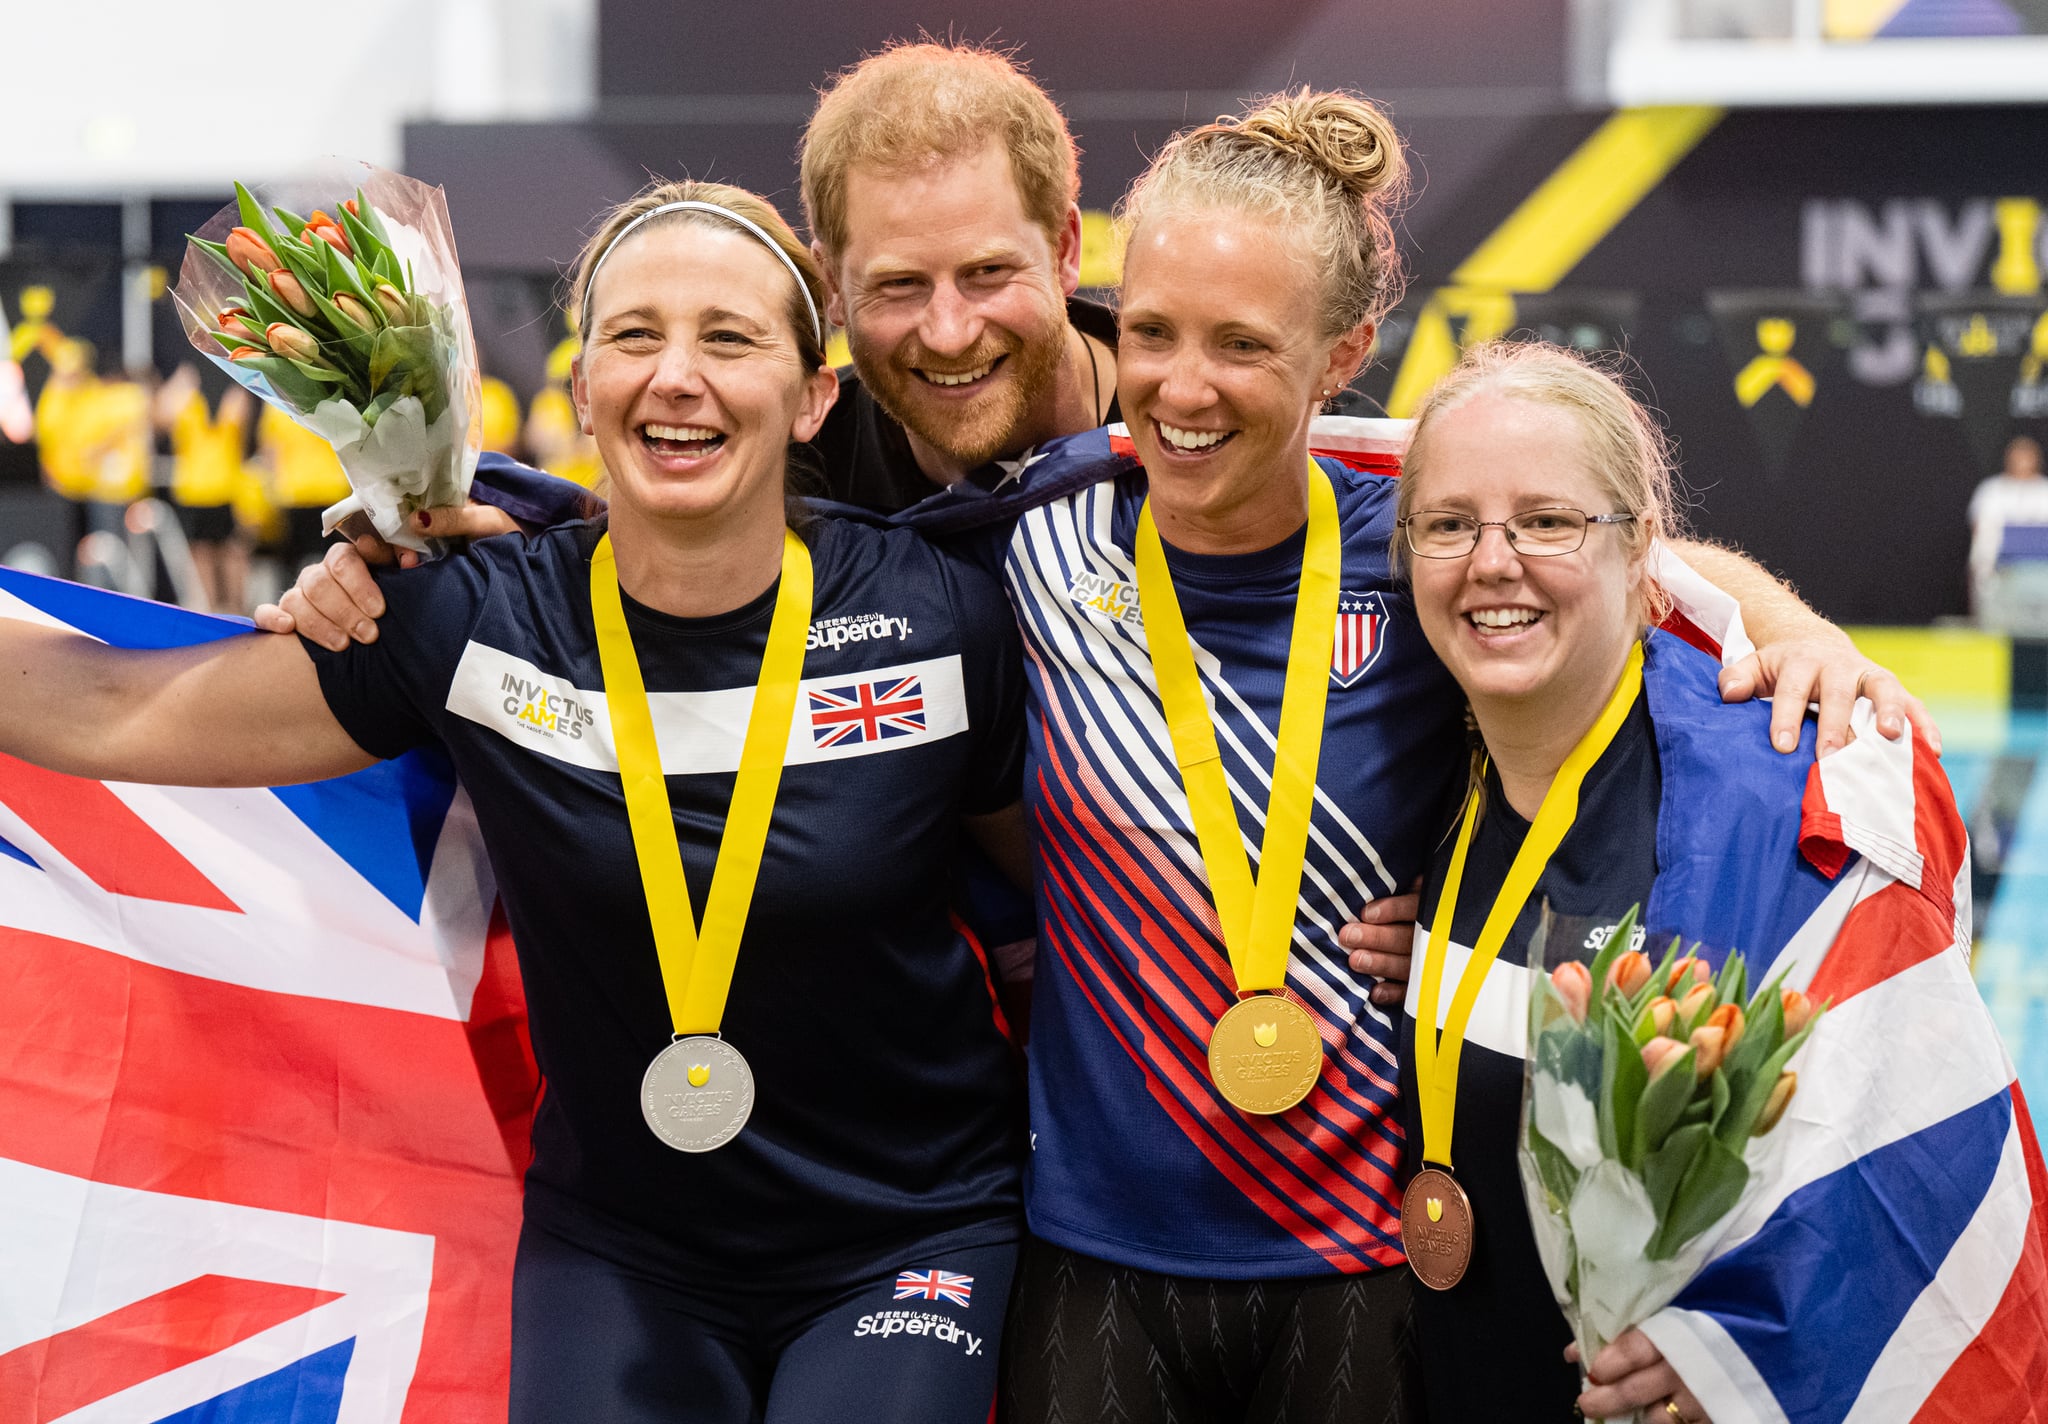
<point>1840,315</point>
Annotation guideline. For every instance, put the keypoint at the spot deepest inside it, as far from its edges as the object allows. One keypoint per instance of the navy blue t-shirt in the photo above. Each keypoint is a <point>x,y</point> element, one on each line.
<point>1492,1346</point>
<point>887,1109</point>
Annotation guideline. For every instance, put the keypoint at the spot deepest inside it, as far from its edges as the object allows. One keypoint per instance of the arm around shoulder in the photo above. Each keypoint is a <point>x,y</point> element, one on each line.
<point>241,711</point>
<point>1800,657</point>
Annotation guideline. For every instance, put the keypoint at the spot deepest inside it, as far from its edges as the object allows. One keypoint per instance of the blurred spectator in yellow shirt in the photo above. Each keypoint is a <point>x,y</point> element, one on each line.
<point>305,478</point>
<point>554,436</point>
<point>119,441</point>
<point>501,417</point>
<point>207,470</point>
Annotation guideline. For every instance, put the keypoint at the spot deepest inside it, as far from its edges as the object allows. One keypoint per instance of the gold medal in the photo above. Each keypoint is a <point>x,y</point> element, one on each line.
<point>1436,1228</point>
<point>1265,1054</point>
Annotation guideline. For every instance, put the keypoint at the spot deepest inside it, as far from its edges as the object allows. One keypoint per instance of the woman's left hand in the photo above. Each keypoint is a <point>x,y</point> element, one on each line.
<point>1381,941</point>
<point>1631,1374</point>
<point>1828,670</point>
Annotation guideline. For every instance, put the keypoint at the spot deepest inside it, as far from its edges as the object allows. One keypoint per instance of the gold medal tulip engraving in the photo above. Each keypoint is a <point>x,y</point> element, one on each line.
<point>1265,1054</point>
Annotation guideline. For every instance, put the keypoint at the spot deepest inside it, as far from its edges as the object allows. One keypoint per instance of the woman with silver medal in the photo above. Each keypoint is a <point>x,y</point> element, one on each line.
<point>697,1246</point>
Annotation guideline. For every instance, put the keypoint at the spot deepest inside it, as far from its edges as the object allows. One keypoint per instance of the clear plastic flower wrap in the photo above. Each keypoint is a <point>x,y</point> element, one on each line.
<point>1650,1093</point>
<point>351,319</point>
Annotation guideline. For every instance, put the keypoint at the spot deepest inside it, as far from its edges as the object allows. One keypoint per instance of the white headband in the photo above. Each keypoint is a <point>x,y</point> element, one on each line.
<point>817,327</point>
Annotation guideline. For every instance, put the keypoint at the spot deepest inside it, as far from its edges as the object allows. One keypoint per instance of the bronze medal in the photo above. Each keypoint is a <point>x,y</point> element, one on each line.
<point>1265,1054</point>
<point>1436,1228</point>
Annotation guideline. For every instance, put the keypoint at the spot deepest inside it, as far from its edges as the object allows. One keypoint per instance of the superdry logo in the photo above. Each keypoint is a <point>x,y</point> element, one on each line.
<point>944,1329</point>
<point>537,710</point>
<point>1107,596</point>
<point>830,633</point>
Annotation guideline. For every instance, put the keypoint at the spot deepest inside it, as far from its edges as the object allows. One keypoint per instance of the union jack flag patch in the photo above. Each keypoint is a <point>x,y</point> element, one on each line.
<point>934,1285</point>
<point>867,711</point>
<point>1361,633</point>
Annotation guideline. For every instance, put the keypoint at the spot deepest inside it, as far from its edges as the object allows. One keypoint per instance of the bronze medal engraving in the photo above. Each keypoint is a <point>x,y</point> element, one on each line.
<point>1265,1054</point>
<point>697,1094</point>
<point>1436,1228</point>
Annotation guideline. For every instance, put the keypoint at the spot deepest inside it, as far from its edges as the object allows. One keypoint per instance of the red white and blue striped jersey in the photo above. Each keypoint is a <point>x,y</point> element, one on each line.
<point>1136,1158</point>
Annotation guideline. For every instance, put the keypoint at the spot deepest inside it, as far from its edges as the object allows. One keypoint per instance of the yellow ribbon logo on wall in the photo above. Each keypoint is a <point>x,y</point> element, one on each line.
<point>1773,367</point>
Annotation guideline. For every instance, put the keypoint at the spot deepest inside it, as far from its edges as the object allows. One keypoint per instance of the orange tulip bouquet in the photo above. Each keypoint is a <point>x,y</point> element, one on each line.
<point>1651,1092</point>
<point>352,321</point>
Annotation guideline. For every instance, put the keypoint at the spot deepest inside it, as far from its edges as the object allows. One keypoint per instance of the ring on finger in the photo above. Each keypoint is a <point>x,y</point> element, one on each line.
<point>1671,1408</point>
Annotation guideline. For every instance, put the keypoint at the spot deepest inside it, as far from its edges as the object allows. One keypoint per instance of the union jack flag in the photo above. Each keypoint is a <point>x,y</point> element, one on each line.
<point>1361,624</point>
<point>1891,1259</point>
<point>867,711</point>
<point>934,1285</point>
<point>264,1089</point>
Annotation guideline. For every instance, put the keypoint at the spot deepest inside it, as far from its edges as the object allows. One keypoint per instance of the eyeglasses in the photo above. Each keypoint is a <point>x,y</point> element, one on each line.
<point>1443,534</point>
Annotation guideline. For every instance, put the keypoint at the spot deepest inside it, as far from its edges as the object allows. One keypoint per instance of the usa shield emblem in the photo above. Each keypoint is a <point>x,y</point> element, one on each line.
<point>1361,633</point>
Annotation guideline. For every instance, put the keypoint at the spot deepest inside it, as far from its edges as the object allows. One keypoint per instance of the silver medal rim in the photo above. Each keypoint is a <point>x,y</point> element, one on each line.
<point>674,1061</point>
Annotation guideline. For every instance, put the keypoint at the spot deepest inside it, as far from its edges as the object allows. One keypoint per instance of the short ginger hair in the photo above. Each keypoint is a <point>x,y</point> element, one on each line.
<point>915,104</point>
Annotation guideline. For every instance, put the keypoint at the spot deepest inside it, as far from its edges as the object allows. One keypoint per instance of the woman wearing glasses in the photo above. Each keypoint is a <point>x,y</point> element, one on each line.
<point>1534,488</point>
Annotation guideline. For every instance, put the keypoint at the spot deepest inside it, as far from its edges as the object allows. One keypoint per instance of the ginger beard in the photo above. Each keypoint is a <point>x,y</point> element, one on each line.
<point>982,426</point>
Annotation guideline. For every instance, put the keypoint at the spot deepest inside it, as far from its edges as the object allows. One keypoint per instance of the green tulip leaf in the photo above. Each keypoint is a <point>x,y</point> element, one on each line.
<point>360,236</point>
<point>218,251</point>
<point>343,276</point>
<point>1570,1054</point>
<point>252,216</point>
<point>307,267</point>
<point>1719,1094</point>
<point>327,375</point>
<point>1654,987</point>
<point>1665,1168</point>
<point>1621,1089</point>
<point>232,344</point>
<point>377,407</point>
<point>267,308</point>
<point>1751,1096</point>
<point>373,219</point>
<point>1729,987</point>
<point>1763,1034</point>
<point>1553,1168</point>
<point>1711,1186</point>
<point>292,222</point>
<point>285,379</point>
<point>1666,1097</point>
<point>406,352</point>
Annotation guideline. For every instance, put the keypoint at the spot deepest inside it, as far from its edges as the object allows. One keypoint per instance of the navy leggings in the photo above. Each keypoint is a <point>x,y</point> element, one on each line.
<point>599,1342</point>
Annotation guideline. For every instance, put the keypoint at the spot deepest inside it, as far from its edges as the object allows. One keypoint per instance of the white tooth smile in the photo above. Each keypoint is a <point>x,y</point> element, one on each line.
<point>1503,617</point>
<point>678,432</point>
<point>961,378</point>
<point>1190,439</point>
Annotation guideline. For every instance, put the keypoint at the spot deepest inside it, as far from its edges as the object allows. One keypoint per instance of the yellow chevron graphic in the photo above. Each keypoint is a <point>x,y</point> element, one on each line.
<point>1547,235</point>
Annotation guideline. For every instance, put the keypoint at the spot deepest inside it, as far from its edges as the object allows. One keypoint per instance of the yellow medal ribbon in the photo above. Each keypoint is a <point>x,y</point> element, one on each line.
<point>697,965</point>
<point>1257,917</point>
<point>1436,1064</point>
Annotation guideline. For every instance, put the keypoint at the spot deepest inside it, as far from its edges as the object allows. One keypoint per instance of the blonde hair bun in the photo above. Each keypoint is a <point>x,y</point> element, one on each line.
<point>1325,165</point>
<point>1347,137</point>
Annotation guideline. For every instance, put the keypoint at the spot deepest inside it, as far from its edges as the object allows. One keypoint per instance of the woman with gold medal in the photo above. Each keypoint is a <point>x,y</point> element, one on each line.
<point>775,1171</point>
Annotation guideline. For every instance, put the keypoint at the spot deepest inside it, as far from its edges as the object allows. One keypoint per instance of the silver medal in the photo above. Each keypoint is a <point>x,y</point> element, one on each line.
<point>697,1094</point>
